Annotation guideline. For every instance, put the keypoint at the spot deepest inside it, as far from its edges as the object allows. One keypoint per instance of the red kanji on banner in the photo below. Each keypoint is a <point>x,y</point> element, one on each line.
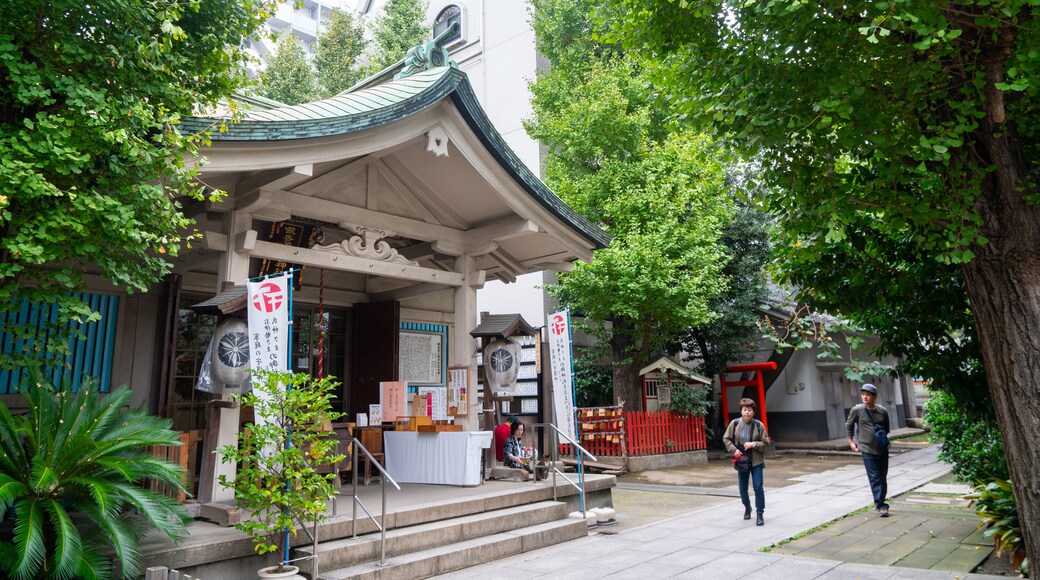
<point>559,325</point>
<point>269,298</point>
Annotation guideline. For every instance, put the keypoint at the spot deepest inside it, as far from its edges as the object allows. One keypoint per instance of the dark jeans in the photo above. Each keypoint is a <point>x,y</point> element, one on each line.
<point>760,492</point>
<point>877,474</point>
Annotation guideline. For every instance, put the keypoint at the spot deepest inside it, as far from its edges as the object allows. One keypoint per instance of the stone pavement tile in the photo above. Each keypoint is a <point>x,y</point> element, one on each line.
<point>648,571</point>
<point>647,534</point>
<point>792,569</point>
<point>961,528</point>
<point>668,545</point>
<point>806,542</point>
<point>692,557</point>
<point>892,553</point>
<point>832,546</point>
<point>956,488</point>
<point>626,559</point>
<point>729,568</point>
<point>962,558</point>
<point>978,537</point>
<point>486,573</point>
<point>912,574</point>
<point>586,572</point>
<point>928,555</point>
<point>857,572</point>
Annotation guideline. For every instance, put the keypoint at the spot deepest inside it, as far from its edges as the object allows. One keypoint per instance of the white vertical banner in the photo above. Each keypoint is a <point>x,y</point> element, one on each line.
<point>562,366</point>
<point>268,319</point>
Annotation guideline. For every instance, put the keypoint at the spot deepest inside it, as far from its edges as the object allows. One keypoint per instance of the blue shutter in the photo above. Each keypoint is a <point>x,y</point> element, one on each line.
<point>91,356</point>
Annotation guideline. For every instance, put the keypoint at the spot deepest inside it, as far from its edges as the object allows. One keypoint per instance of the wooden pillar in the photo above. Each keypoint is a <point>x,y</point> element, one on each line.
<point>464,347</point>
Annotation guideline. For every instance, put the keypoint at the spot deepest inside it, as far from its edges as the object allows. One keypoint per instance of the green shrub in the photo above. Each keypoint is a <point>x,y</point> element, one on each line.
<point>280,454</point>
<point>971,441</point>
<point>994,502</point>
<point>690,400</point>
<point>72,468</point>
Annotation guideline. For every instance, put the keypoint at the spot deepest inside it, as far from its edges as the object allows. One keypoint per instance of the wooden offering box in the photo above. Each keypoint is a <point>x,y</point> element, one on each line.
<point>439,427</point>
<point>412,422</point>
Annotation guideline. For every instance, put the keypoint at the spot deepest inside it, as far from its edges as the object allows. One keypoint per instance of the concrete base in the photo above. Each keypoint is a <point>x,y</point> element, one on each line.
<point>666,460</point>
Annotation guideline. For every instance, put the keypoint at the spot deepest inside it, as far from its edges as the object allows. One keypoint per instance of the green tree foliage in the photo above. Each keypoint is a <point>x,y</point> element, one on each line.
<point>732,334</point>
<point>397,29</point>
<point>662,195</point>
<point>288,77</point>
<point>340,45</point>
<point>72,470</point>
<point>91,161</point>
<point>901,139</point>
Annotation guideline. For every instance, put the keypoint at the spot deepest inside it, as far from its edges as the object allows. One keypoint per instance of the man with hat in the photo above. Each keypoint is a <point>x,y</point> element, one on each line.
<point>860,429</point>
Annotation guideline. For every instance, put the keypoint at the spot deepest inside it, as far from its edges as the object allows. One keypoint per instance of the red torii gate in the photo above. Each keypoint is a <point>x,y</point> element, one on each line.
<point>756,368</point>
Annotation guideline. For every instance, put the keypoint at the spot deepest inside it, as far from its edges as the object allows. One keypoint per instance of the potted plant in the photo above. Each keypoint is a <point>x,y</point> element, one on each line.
<point>71,469</point>
<point>279,456</point>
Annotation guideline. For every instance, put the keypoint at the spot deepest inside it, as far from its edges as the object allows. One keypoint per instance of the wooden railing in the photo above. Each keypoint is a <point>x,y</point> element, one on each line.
<point>185,456</point>
<point>609,432</point>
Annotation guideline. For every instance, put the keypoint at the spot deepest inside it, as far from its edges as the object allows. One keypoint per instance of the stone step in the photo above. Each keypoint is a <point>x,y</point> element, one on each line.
<point>456,556</point>
<point>349,552</point>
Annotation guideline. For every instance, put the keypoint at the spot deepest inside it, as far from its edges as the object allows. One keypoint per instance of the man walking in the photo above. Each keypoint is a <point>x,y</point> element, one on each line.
<point>862,418</point>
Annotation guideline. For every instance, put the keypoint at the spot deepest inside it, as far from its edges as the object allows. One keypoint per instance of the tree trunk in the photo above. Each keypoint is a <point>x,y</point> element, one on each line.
<point>1003,284</point>
<point>627,386</point>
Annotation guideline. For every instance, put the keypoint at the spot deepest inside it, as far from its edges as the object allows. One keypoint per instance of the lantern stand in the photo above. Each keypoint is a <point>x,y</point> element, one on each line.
<point>492,328</point>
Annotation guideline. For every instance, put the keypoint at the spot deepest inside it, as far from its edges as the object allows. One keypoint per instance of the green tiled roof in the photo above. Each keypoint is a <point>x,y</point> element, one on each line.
<point>393,100</point>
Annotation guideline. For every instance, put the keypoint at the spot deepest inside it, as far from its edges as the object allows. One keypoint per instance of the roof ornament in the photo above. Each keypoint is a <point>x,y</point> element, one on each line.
<point>429,55</point>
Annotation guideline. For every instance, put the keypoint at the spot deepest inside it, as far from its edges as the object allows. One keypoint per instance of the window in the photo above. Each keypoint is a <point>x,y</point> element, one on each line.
<point>651,387</point>
<point>445,19</point>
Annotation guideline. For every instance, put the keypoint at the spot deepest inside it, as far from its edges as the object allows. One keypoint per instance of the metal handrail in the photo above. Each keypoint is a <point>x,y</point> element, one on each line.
<point>384,476</point>
<point>580,486</point>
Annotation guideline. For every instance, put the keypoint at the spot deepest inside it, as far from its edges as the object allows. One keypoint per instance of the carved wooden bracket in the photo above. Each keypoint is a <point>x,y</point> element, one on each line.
<point>367,244</point>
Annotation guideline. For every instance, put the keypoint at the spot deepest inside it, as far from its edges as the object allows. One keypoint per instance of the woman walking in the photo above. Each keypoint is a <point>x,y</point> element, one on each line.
<point>747,436</point>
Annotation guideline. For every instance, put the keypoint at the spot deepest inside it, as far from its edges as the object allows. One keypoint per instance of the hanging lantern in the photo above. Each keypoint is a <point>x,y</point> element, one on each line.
<point>501,364</point>
<point>229,353</point>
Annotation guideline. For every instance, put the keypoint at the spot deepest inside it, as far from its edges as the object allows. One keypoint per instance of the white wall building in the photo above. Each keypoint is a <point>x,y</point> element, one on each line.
<point>304,20</point>
<point>496,49</point>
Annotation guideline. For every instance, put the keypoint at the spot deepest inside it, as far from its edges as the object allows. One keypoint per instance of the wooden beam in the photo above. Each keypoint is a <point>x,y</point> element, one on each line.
<point>347,216</point>
<point>502,230</point>
<point>408,292</point>
<point>347,263</point>
<point>281,178</point>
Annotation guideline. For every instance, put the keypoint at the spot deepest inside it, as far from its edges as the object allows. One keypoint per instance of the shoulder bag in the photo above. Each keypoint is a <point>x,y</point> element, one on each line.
<point>880,435</point>
<point>743,463</point>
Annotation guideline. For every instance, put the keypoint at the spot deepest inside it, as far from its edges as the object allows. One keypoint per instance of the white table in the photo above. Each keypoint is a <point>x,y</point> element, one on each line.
<point>449,458</point>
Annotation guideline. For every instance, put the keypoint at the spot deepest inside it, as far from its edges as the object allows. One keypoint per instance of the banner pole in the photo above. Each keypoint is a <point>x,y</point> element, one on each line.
<point>288,425</point>
<point>574,397</point>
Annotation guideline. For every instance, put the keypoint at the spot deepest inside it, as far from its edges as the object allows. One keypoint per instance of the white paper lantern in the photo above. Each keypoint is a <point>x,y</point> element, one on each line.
<point>229,353</point>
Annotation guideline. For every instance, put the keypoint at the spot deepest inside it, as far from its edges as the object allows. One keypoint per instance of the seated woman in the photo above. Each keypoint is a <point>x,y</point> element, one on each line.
<point>514,448</point>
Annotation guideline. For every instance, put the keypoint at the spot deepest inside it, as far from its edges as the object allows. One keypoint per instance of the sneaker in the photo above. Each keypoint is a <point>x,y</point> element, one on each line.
<point>884,511</point>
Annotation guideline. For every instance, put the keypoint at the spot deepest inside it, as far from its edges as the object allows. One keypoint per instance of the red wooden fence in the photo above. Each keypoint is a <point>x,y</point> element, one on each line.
<point>609,432</point>
<point>657,432</point>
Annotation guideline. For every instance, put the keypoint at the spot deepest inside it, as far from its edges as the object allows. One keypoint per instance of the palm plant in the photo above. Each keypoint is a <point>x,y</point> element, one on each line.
<point>71,470</point>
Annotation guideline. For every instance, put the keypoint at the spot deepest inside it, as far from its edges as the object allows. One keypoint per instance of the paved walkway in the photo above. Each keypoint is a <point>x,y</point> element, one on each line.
<point>715,543</point>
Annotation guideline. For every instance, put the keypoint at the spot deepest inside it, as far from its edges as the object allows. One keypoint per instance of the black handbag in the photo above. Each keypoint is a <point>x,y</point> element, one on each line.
<point>743,463</point>
<point>880,435</point>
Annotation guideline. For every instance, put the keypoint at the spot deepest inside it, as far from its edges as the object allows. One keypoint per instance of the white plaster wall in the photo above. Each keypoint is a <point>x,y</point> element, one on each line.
<point>798,387</point>
<point>523,296</point>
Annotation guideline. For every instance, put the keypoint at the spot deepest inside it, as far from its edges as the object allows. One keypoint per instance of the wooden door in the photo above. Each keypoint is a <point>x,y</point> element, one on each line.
<point>375,348</point>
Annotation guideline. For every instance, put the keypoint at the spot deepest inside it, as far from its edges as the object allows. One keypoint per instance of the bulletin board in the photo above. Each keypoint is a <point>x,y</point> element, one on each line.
<point>458,390</point>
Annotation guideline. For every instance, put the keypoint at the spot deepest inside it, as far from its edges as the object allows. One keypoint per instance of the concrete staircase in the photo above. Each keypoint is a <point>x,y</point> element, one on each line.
<point>439,546</point>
